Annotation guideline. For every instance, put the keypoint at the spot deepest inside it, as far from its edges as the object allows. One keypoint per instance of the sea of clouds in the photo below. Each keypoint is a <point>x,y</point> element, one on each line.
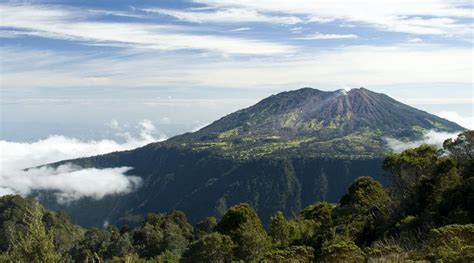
<point>68,181</point>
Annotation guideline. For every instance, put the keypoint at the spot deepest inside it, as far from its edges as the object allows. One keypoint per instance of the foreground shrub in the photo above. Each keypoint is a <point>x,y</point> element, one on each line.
<point>452,243</point>
<point>213,247</point>
<point>341,251</point>
<point>291,254</point>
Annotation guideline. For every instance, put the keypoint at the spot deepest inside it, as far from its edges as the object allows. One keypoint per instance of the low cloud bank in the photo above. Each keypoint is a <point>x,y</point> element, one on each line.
<point>67,181</point>
<point>431,138</point>
<point>70,182</point>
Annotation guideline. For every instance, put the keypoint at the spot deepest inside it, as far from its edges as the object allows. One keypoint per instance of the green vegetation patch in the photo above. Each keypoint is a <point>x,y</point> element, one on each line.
<point>228,134</point>
<point>313,125</point>
<point>288,120</point>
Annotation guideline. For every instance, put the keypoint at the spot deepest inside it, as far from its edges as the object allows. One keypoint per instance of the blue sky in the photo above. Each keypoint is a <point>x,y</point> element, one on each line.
<point>71,67</point>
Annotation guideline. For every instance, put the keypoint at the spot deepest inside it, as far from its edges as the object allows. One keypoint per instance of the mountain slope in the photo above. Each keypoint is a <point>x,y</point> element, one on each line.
<point>283,153</point>
<point>311,122</point>
<point>297,113</point>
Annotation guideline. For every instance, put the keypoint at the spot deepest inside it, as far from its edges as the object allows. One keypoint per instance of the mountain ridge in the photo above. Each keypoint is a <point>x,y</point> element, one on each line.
<point>331,103</point>
<point>254,156</point>
<point>283,122</point>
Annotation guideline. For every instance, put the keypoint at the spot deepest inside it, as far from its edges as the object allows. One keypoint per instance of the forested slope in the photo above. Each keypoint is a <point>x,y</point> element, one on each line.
<point>427,215</point>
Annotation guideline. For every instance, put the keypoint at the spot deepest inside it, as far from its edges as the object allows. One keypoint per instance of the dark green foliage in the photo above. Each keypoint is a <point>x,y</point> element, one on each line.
<point>13,209</point>
<point>166,257</point>
<point>205,226</point>
<point>94,245</point>
<point>35,244</point>
<point>340,251</point>
<point>65,234</point>
<point>366,193</point>
<point>198,185</point>
<point>236,217</point>
<point>280,230</point>
<point>18,218</point>
<point>457,204</point>
<point>320,212</point>
<point>452,243</point>
<point>210,248</point>
<point>242,224</point>
<point>433,185</point>
<point>121,245</point>
<point>409,166</point>
<point>361,210</point>
<point>462,150</point>
<point>160,233</point>
<point>290,254</point>
<point>159,236</point>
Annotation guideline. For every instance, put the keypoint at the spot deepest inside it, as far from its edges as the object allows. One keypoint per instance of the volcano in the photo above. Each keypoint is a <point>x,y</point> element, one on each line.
<point>281,154</point>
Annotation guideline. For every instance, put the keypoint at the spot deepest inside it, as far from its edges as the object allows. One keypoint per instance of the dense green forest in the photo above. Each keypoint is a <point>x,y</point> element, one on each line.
<point>427,215</point>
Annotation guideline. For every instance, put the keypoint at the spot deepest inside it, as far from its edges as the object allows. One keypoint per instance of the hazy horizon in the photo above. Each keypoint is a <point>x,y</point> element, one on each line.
<point>76,115</point>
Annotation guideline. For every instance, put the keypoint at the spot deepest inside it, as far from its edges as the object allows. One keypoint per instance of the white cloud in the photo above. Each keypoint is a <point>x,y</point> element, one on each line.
<point>464,121</point>
<point>320,36</point>
<point>241,29</point>
<point>70,182</point>
<point>323,67</point>
<point>67,24</point>
<point>415,40</point>
<point>431,138</point>
<point>374,66</point>
<point>436,17</point>
<point>20,155</point>
<point>296,30</point>
<point>228,15</point>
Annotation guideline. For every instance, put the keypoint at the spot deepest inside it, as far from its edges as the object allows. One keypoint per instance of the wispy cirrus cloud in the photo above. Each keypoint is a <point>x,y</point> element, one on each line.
<point>77,25</point>
<point>324,67</point>
<point>241,29</point>
<point>226,15</point>
<point>321,36</point>
<point>432,17</point>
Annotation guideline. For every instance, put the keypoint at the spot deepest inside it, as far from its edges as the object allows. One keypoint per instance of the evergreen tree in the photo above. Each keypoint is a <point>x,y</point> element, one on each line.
<point>462,150</point>
<point>359,209</point>
<point>320,212</point>
<point>242,224</point>
<point>280,230</point>
<point>340,251</point>
<point>211,248</point>
<point>36,245</point>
